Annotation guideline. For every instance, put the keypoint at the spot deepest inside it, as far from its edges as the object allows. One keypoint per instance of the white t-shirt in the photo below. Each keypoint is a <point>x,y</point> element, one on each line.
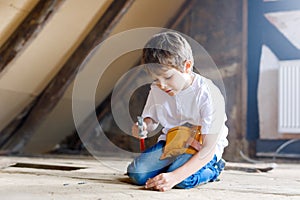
<point>200,104</point>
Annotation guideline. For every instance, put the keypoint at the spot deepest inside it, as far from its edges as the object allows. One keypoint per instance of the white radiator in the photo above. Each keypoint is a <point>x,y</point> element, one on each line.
<point>289,97</point>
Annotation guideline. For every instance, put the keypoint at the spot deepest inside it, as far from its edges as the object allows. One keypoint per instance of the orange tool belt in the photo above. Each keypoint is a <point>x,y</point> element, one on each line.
<point>182,139</point>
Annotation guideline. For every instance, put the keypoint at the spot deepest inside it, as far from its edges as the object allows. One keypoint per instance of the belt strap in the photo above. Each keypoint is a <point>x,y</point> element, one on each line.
<point>191,142</point>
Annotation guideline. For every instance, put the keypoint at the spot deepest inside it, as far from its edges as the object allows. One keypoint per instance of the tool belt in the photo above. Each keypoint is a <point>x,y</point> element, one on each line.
<point>182,139</point>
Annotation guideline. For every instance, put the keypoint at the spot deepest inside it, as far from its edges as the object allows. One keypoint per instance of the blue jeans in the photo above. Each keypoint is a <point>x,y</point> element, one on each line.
<point>147,165</point>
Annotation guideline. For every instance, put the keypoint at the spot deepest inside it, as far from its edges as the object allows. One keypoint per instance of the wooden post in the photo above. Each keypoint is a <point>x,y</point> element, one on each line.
<point>51,95</point>
<point>27,30</point>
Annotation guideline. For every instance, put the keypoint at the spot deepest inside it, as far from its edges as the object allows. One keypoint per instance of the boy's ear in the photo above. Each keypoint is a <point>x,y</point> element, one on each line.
<point>187,66</point>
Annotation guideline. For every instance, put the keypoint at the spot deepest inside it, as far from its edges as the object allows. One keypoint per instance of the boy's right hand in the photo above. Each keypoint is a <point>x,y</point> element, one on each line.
<point>135,131</point>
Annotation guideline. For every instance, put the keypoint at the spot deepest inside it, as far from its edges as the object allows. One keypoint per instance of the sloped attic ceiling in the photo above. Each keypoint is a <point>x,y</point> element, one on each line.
<point>30,72</point>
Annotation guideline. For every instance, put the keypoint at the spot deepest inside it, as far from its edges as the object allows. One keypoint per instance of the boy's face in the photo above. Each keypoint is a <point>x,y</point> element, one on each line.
<point>172,81</point>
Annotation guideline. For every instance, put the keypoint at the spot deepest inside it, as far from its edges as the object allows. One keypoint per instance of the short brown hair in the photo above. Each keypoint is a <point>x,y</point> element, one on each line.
<point>167,48</point>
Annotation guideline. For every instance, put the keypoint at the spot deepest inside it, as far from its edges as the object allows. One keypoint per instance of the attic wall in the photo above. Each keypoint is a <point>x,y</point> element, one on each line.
<point>60,119</point>
<point>220,29</point>
<point>219,26</point>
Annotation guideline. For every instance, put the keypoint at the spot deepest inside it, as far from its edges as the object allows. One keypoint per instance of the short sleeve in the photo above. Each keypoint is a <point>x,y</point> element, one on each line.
<point>214,109</point>
<point>150,108</point>
<point>206,109</point>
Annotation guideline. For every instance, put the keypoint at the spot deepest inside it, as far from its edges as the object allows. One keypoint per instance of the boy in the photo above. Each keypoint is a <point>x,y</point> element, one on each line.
<point>178,96</point>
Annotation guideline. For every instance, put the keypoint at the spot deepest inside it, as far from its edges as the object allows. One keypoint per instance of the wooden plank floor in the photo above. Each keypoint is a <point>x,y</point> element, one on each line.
<point>87,178</point>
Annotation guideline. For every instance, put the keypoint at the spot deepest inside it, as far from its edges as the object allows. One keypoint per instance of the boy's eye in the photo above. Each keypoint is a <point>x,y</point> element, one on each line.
<point>169,77</point>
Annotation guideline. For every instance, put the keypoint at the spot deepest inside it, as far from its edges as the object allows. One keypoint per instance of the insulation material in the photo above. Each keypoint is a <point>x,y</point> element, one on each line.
<point>267,94</point>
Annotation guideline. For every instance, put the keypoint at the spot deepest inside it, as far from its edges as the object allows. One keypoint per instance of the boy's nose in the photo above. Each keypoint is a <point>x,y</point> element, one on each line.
<point>161,85</point>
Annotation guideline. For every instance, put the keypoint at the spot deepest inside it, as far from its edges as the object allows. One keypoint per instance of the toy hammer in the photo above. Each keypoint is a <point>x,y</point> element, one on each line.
<point>142,134</point>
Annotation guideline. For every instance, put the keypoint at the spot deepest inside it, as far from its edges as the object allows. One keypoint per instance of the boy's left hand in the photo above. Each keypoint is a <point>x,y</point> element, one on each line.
<point>162,182</point>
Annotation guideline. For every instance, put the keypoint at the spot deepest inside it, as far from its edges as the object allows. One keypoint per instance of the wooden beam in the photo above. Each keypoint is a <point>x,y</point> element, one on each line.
<point>27,30</point>
<point>181,14</point>
<point>55,90</point>
<point>243,102</point>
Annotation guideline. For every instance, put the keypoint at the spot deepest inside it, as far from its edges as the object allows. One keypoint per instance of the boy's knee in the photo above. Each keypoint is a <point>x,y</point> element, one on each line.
<point>138,178</point>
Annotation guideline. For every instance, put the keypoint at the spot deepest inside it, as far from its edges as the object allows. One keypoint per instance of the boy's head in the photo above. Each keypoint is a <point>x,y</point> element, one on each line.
<point>165,50</point>
<point>169,60</point>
